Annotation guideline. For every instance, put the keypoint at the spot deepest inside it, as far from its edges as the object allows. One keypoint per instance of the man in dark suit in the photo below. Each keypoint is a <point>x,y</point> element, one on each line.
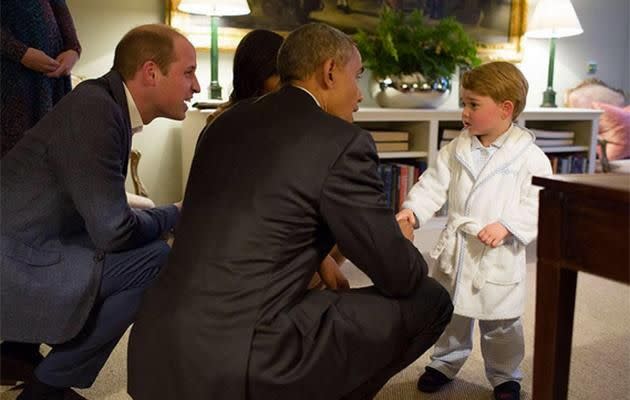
<point>76,258</point>
<point>275,182</point>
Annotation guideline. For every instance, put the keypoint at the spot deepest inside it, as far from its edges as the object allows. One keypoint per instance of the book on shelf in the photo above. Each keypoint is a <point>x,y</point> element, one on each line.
<point>545,134</point>
<point>554,142</point>
<point>390,136</point>
<point>403,184</point>
<point>398,179</point>
<point>392,146</point>
<point>569,164</point>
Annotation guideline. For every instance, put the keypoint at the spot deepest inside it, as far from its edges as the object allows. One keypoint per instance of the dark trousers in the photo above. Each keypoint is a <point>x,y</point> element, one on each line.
<point>425,313</point>
<point>126,275</point>
<point>365,338</point>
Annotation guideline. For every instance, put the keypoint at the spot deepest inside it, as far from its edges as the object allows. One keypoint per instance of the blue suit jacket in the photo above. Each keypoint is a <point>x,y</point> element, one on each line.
<point>63,208</point>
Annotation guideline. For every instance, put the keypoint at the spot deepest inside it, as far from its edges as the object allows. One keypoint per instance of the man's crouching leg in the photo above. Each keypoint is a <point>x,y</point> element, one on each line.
<point>76,363</point>
<point>425,314</point>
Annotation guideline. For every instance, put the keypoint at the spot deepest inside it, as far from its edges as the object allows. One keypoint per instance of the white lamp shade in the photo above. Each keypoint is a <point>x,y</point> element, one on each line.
<point>214,7</point>
<point>554,19</point>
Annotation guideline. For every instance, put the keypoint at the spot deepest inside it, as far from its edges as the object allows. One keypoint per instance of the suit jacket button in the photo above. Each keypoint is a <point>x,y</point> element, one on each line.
<point>99,257</point>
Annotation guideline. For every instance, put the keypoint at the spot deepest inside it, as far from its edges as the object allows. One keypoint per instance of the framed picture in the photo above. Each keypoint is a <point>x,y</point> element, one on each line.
<point>497,25</point>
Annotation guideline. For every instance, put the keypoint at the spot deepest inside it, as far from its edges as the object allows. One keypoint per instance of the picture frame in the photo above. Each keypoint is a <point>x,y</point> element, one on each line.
<point>497,25</point>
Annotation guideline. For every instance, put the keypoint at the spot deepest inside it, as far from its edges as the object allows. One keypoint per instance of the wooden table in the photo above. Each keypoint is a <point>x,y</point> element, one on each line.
<point>583,226</point>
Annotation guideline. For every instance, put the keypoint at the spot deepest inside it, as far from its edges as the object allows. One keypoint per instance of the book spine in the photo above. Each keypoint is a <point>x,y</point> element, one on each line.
<point>395,189</point>
<point>404,182</point>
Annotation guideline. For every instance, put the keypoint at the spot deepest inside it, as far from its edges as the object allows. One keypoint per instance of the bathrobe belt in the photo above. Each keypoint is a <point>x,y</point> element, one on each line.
<point>449,239</point>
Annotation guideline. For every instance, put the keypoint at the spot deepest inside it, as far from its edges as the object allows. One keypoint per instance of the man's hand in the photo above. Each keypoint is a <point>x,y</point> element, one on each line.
<point>179,205</point>
<point>66,61</point>
<point>493,234</point>
<point>335,253</point>
<point>406,228</point>
<point>39,61</point>
<point>331,274</point>
<point>407,215</point>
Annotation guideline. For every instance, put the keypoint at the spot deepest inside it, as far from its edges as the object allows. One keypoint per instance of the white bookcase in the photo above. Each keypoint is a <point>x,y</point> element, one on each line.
<point>424,127</point>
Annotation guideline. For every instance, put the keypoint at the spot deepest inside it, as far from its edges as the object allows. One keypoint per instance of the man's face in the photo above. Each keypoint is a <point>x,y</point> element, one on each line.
<point>346,95</point>
<point>179,84</point>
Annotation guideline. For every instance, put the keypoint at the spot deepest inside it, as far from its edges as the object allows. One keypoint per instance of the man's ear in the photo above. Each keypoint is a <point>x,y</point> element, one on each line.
<point>328,73</point>
<point>149,72</point>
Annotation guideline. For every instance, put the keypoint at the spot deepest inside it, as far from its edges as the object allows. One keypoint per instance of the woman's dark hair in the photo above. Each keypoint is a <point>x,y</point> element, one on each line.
<point>254,62</point>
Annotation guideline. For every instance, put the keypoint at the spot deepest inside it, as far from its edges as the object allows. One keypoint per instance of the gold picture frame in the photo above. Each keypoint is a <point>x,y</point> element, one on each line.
<point>505,46</point>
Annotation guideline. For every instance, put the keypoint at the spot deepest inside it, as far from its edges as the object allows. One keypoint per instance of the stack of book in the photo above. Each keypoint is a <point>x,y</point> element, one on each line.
<point>546,138</point>
<point>391,140</point>
<point>398,179</point>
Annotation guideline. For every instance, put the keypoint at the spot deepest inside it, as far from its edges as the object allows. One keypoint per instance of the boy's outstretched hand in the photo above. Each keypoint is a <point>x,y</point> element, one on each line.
<point>406,228</point>
<point>493,234</point>
<point>407,215</point>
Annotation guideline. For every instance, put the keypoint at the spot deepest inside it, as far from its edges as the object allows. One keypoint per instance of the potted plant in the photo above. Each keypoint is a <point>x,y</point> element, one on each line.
<point>412,60</point>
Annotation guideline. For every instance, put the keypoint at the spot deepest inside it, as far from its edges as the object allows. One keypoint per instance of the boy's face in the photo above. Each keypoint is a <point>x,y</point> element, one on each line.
<point>484,117</point>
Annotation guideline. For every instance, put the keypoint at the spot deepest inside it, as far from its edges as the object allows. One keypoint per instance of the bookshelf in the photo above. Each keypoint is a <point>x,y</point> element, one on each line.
<point>425,127</point>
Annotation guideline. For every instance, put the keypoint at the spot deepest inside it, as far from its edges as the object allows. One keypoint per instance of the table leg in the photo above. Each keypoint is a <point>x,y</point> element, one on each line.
<point>555,304</point>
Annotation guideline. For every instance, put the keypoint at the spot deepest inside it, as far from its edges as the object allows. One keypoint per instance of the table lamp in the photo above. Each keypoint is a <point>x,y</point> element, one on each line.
<point>215,9</point>
<point>553,19</point>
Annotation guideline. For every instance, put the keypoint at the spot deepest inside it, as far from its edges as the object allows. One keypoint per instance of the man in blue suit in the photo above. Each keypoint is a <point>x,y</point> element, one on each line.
<point>75,258</point>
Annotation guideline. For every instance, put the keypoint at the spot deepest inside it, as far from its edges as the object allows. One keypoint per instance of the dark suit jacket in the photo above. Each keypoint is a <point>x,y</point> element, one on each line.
<point>63,207</point>
<point>273,185</point>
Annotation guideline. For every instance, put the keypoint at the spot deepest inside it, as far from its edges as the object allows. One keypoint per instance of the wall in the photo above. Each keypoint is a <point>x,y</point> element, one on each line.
<point>605,41</point>
<point>101,24</point>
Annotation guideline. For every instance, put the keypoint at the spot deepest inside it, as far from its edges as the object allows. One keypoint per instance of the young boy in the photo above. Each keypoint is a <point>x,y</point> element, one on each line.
<point>485,175</point>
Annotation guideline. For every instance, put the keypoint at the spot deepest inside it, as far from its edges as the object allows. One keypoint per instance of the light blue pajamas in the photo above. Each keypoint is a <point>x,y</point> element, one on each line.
<point>502,347</point>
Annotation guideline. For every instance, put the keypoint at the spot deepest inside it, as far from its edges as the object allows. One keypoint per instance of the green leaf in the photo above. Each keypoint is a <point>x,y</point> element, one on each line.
<point>407,43</point>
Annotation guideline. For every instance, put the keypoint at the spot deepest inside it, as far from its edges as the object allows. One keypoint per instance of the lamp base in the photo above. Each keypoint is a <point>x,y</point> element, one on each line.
<point>214,90</point>
<point>549,98</point>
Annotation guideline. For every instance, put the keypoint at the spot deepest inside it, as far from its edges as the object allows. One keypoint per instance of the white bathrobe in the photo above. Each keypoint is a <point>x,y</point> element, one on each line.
<point>484,282</point>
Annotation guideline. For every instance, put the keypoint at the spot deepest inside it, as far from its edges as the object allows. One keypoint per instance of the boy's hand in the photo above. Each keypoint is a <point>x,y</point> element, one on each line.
<point>493,234</point>
<point>406,228</point>
<point>406,214</point>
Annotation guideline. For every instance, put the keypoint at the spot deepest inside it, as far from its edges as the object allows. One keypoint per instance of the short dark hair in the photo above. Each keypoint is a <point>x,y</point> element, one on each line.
<point>255,60</point>
<point>152,42</point>
<point>308,46</point>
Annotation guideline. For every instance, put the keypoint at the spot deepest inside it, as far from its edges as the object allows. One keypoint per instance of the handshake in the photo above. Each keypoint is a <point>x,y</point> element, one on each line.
<point>406,220</point>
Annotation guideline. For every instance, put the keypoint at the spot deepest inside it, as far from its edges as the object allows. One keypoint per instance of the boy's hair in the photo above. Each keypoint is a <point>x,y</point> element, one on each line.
<point>152,42</point>
<point>307,47</point>
<point>500,81</point>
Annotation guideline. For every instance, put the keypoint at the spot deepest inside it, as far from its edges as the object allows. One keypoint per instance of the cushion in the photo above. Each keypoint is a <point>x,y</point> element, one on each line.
<point>614,127</point>
<point>592,90</point>
<point>614,123</point>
